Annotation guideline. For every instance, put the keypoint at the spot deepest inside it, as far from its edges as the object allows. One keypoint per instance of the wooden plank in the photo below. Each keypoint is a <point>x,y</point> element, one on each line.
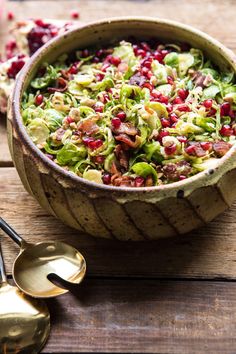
<point>129,316</point>
<point>206,253</point>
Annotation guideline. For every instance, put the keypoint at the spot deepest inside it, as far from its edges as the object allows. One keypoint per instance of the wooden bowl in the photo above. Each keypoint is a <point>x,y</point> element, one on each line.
<point>118,212</point>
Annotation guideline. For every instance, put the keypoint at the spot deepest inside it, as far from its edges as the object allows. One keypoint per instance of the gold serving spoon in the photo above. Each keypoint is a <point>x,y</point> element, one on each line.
<point>38,265</point>
<point>24,321</point>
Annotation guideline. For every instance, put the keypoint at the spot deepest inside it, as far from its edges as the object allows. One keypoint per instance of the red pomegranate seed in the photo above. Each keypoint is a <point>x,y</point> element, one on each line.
<point>106,178</point>
<point>184,108</point>
<point>147,63</point>
<point>93,145</point>
<point>156,94</point>
<point>69,120</point>
<point>170,150</point>
<point>158,56</point>
<point>212,112</point>
<point>169,107</point>
<point>165,123</point>
<point>164,99</point>
<point>182,177</point>
<point>99,77</point>
<point>148,85</point>
<point>74,14</point>
<point>207,104</point>
<point>73,69</point>
<point>144,71</point>
<point>182,139</point>
<point>145,46</point>
<point>149,75</point>
<point>116,122</point>
<point>206,145</point>
<point>164,52</point>
<point>105,98</point>
<point>98,108</point>
<point>10,16</point>
<point>15,67</point>
<point>39,99</point>
<point>177,100</point>
<point>87,140</point>
<point>232,114</point>
<point>190,150</point>
<point>226,130</point>
<point>142,53</point>
<point>173,117</point>
<point>121,115</point>
<point>225,109</point>
<point>170,80</point>
<point>85,53</point>
<point>139,181</point>
<point>183,94</point>
<point>115,61</point>
<point>105,67</point>
<point>40,23</point>
<point>99,159</point>
<point>161,135</point>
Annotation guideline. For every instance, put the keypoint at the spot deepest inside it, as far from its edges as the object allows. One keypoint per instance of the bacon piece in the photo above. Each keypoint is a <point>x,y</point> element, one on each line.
<point>195,149</point>
<point>127,140</point>
<point>125,128</point>
<point>173,171</point>
<point>88,126</point>
<point>122,156</point>
<point>61,86</point>
<point>221,148</point>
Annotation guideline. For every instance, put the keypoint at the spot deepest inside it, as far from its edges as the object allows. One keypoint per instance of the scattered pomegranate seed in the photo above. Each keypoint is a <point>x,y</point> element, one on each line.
<point>212,112</point>
<point>184,108</point>
<point>142,53</point>
<point>15,67</point>
<point>164,52</point>
<point>139,181</point>
<point>177,100</point>
<point>226,130</point>
<point>165,122</point>
<point>156,94</point>
<point>39,99</point>
<point>98,108</point>
<point>99,159</point>
<point>164,99</point>
<point>182,139</point>
<point>147,63</point>
<point>115,61</point>
<point>170,150</point>
<point>232,114</point>
<point>207,103</point>
<point>170,80</point>
<point>183,94</point>
<point>85,53</point>
<point>145,46</point>
<point>69,120</point>
<point>10,48</point>
<point>148,85</point>
<point>161,135</point>
<point>173,117</point>
<point>158,56</point>
<point>190,150</point>
<point>74,14</point>
<point>106,178</point>
<point>116,122</point>
<point>169,107</point>
<point>105,98</point>
<point>10,16</point>
<point>121,115</point>
<point>99,77</point>
<point>73,69</point>
<point>95,144</point>
<point>105,67</point>
<point>144,71</point>
<point>225,109</point>
<point>182,177</point>
<point>206,145</point>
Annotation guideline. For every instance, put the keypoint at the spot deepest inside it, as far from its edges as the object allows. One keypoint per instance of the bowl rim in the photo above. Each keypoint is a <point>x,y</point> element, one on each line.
<point>15,100</point>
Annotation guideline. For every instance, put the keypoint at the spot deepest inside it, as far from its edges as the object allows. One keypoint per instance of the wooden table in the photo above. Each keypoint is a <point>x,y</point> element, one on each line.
<point>172,296</point>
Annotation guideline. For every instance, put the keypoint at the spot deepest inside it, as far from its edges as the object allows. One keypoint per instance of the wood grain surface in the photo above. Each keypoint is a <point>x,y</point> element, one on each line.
<point>176,305</point>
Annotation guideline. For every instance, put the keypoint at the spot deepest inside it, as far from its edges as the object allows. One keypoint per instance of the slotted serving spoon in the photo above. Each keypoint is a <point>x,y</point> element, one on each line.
<point>24,321</point>
<point>37,264</point>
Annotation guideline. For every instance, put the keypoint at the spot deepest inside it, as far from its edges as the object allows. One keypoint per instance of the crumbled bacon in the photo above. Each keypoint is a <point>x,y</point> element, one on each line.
<point>125,128</point>
<point>122,156</point>
<point>128,141</point>
<point>221,148</point>
<point>173,171</point>
<point>201,80</point>
<point>60,86</point>
<point>195,149</point>
<point>88,126</point>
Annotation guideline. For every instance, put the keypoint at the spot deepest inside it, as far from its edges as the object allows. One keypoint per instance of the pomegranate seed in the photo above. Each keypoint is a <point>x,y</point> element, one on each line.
<point>145,46</point>
<point>147,63</point>
<point>207,104</point>
<point>183,108</point>
<point>87,140</point>
<point>74,14</point>
<point>158,56</point>
<point>121,115</point>
<point>156,94</point>
<point>69,120</point>
<point>99,159</point>
<point>139,181</point>
<point>232,114</point>
<point>123,67</point>
<point>169,107</point>
<point>148,85</point>
<point>73,69</point>
<point>170,150</point>
<point>93,145</point>
<point>142,53</point>
<point>182,139</point>
<point>115,61</point>
<point>149,75</point>
<point>39,99</point>
<point>161,135</point>
<point>225,109</point>
<point>226,130</point>
<point>170,80</point>
<point>164,99</point>
<point>190,150</point>
<point>105,67</point>
<point>10,16</point>
<point>105,98</point>
<point>212,112</point>
<point>206,145</point>
<point>96,60</point>
<point>10,47</point>
<point>165,122</point>
<point>116,122</point>
<point>106,178</point>
<point>164,52</point>
<point>15,67</point>
<point>99,77</point>
<point>85,53</point>
<point>40,23</point>
<point>177,100</point>
<point>182,177</point>
<point>173,117</point>
<point>144,71</point>
<point>98,108</point>
<point>183,94</point>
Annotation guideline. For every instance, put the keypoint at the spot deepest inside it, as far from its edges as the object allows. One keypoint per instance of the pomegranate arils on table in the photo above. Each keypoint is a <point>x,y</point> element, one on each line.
<point>75,14</point>
<point>10,16</point>
<point>40,34</point>
<point>15,67</point>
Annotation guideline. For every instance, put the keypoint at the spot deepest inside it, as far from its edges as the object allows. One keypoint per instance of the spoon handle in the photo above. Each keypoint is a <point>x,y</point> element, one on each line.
<point>3,277</point>
<point>10,232</point>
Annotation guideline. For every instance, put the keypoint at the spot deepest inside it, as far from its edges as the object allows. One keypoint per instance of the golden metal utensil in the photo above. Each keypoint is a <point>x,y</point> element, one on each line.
<point>24,321</point>
<point>38,263</point>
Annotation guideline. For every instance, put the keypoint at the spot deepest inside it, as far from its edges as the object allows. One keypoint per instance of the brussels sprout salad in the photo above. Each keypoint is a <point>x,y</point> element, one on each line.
<point>136,114</point>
